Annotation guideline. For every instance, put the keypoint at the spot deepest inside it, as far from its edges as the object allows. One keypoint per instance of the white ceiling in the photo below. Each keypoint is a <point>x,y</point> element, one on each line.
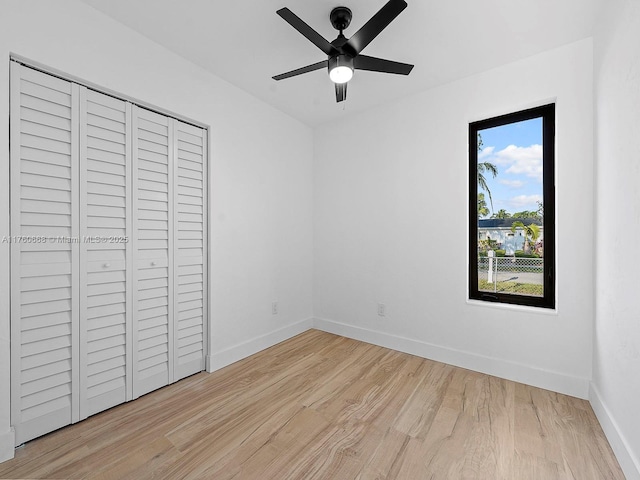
<point>246,43</point>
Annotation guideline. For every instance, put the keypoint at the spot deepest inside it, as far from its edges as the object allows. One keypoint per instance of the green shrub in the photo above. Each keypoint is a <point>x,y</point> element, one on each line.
<point>521,254</point>
<point>496,253</point>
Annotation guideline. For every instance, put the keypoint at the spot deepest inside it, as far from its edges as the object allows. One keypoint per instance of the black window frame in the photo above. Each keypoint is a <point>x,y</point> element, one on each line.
<point>547,113</point>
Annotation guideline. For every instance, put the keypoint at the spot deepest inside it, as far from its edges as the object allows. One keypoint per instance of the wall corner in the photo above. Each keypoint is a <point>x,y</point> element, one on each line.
<point>624,454</point>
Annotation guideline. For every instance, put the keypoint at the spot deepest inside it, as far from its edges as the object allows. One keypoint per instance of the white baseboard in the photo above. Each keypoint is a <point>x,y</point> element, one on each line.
<point>628,461</point>
<point>7,444</point>
<point>233,354</point>
<point>549,380</point>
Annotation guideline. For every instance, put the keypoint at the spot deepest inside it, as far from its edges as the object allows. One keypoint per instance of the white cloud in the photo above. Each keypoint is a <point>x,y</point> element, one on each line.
<point>521,160</point>
<point>486,151</point>
<point>522,201</point>
<point>512,183</point>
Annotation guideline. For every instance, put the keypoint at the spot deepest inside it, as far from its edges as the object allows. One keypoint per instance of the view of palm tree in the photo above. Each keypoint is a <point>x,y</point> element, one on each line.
<point>531,234</point>
<point>483,211</point>
<point>527,214</point>
<point>485,167</point>
<point>502,213</point>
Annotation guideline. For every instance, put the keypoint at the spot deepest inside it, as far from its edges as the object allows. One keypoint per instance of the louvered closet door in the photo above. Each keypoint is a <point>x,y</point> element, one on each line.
<point>108,252</point>
<point>190,149</point>
<point>105,217</point>
<point>44,256</point>
<point>153,244</point>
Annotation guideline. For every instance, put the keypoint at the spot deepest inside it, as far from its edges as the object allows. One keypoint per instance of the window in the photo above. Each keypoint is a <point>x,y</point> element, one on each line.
<point>512,208</point>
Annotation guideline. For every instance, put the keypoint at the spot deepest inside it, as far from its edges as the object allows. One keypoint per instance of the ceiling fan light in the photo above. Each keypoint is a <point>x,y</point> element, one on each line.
<point>341,68</point>
<point>341,74</point>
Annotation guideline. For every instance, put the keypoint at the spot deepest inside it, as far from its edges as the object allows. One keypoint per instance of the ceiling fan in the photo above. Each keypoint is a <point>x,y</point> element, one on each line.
<point>344,54</point>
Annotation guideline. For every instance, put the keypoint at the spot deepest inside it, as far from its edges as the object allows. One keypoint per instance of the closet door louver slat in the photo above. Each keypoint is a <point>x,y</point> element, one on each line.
<point>44,259</point>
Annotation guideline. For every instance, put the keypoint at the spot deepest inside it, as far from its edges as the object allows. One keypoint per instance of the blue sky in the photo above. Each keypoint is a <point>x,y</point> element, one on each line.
<point>516,149</point>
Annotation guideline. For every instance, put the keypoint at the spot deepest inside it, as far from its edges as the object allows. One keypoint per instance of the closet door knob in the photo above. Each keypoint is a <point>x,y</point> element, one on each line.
<point>106,265</point>
<point>153,264</point>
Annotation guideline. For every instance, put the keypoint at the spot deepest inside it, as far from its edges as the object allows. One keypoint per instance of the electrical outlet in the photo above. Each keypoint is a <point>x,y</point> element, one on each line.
<point>382,309</point>
<point>274,308</point>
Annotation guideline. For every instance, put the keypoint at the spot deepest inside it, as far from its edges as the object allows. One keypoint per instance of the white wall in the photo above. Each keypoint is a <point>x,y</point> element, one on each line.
<point>616,355</point>
<point>390,226</point>
<point>261,167</point>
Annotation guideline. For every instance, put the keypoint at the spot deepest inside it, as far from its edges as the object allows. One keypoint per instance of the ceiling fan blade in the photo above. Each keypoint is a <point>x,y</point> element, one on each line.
<point>373,64</point>
<point>375,25</point>
<point>341,92</point>
<point>300,71</point>
<point>315,38</point>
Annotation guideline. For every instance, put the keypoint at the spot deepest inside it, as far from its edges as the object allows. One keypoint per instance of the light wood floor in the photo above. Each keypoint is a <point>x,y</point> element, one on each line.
<point>319,406</point>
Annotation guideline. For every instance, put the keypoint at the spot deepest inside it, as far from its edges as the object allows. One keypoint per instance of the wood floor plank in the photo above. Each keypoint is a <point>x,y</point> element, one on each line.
<point>418,412</point>
<point>320,406</point>
<point>385,461</point>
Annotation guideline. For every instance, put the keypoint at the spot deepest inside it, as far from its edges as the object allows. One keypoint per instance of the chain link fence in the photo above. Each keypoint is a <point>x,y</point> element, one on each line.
<point>519,275</point>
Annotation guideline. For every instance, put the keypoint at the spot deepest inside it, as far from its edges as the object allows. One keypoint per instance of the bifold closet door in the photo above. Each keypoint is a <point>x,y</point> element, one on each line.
<point>153,324</point>
<point>108,251</point>
<point>190,149</point>
<point>44,252</point>
<point>105,279</point>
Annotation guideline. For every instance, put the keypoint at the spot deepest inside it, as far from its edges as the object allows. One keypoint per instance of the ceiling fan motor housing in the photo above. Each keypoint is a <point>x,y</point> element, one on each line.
<point>340,18</point>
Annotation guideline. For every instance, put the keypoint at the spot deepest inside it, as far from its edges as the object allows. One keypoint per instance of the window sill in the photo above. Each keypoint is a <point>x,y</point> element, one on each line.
<point>514,307</point>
